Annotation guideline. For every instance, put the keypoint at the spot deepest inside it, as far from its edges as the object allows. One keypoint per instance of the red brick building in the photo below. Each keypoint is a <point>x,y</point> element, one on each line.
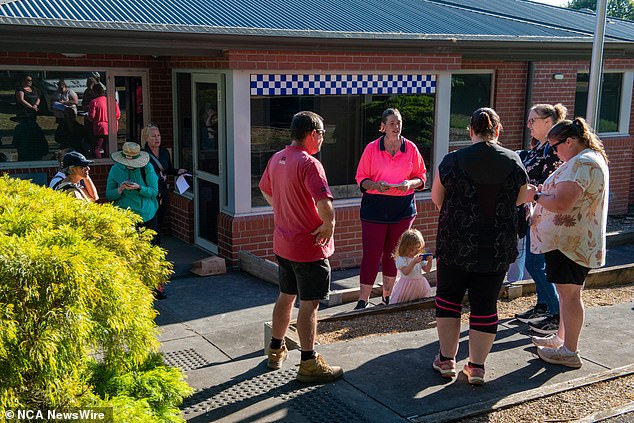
<point>223,83</point>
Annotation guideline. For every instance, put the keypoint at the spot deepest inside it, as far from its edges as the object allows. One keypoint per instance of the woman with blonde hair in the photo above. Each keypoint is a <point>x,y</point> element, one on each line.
<point>411,261</point>
<point>540,162</point>
<point>569,227</point>
<point>161,161</point>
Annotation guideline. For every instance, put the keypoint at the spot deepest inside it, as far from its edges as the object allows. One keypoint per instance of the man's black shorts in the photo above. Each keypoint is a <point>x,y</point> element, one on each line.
<point>309,280</point>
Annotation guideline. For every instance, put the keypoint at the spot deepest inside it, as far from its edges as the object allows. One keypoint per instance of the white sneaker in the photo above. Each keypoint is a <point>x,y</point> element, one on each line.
<point>560,356</point>
<point>550,341</point>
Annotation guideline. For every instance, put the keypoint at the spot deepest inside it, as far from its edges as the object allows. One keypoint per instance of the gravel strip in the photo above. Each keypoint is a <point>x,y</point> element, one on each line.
<point>566,406</point>
<point>413,320</point>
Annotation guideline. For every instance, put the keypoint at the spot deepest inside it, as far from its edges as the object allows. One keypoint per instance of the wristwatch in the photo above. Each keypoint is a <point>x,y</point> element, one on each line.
<point>536,196</point>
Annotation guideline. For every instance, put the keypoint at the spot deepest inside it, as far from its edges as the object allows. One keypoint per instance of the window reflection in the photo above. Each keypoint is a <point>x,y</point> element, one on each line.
<point>63,116</point>
<point>609,100</point>
<point>351,122</point>
<point>468,93</point>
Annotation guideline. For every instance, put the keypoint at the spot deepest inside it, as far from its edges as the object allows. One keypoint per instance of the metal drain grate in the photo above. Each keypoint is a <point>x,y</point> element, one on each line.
<point>315,402</point>
<point>185,359</point>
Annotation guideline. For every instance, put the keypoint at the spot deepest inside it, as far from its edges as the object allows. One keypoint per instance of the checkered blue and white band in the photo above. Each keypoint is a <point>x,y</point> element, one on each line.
<point>341,84</point>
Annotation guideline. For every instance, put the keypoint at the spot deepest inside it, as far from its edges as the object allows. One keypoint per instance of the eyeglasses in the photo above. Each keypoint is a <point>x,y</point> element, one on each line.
<point>151,125</point>
<point>28,80</point>
<point>532,120</point>
<point>554,146</point>
<point>320,131</point>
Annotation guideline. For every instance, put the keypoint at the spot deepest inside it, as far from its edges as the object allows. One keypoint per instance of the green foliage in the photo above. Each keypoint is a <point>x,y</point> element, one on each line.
<point>623,9</point>
<point>159,387</point>
<point>417,112</point>
<point>76,282</point>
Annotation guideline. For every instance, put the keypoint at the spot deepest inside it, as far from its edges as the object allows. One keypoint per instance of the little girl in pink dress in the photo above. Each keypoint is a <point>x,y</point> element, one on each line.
<point>410,262</point>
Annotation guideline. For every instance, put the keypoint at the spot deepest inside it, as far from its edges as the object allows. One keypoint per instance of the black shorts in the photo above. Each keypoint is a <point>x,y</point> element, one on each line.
<point>562,270</point>
<point>309,280</point>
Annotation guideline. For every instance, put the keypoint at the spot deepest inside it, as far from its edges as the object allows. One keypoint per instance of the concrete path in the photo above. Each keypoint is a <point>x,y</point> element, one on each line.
<point>212,327</point>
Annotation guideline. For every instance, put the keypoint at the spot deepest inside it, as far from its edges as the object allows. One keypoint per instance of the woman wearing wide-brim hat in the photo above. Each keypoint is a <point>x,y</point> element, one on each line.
<point>133,184</point>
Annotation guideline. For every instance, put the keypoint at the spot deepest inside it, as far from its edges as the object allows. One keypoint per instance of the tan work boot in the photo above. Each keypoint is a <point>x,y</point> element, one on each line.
<point>317,370</point>
<point>277,357</point>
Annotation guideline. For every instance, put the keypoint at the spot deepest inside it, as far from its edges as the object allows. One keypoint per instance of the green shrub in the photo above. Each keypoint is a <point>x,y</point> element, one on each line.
<point>76,283</point>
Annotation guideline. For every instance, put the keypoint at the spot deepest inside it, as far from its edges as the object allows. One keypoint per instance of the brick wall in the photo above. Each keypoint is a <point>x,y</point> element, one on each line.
<point>619,151</point>
<point>255,234</point>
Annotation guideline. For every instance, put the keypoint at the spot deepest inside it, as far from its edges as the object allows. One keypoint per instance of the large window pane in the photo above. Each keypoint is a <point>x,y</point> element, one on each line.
<point>351,121</point>
<point>26,135</point>
<point>468,93</point>
<point>609,101</point>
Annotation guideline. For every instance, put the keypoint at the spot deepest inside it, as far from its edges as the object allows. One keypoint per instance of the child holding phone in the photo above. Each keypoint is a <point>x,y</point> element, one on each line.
<point>411,261</point>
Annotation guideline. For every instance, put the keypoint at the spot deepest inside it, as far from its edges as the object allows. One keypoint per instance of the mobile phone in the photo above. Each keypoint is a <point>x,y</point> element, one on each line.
<point>425,256</point>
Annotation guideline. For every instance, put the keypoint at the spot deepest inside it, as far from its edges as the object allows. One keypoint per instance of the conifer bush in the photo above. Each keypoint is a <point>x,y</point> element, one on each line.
<point>76,308</point>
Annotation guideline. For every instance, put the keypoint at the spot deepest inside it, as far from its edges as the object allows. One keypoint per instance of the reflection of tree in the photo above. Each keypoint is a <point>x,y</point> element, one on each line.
<point>417,112</point>
<point>269,139</point>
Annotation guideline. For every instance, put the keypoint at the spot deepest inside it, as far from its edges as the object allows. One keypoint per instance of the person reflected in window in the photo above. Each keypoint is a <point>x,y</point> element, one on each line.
<point>98,114</point>
<point>62,99</point>
<point>89,93</point>
<point>70,133</point>
<point>28,137</point>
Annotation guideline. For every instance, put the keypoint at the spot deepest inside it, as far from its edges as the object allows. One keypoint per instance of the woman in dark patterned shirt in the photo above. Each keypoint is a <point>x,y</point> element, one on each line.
<point>476,240</point>
<point>540,162</point>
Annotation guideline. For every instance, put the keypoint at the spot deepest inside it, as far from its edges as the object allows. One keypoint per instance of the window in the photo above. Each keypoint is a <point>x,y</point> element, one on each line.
<point>468,93</point>
<point>609,100</point>
<point>62,121</point>
<point>351,122</point>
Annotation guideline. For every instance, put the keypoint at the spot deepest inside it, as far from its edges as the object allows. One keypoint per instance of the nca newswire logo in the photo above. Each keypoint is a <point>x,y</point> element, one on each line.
<point>84,415</point>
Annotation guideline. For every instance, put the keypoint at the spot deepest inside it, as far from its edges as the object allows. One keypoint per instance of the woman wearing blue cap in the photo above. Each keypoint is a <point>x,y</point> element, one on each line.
<point>77,182</point>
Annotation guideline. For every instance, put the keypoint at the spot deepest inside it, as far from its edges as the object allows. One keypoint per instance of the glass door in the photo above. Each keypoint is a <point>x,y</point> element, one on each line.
<point>208,158</point>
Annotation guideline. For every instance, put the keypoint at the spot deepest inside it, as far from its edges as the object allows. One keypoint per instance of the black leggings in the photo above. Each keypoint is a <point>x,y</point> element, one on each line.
<point>482,289</point>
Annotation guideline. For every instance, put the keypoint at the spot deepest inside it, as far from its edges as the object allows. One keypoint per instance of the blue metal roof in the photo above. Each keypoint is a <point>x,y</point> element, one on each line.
<point>491,20</point>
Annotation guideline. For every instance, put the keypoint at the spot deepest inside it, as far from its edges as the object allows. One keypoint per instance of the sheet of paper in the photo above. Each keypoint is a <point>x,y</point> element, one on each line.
<point>181,183</point>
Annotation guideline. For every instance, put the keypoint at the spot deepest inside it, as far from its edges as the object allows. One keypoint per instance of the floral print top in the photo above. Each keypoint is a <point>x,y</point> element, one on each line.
<point>540,162</point>
<point>579,234</point>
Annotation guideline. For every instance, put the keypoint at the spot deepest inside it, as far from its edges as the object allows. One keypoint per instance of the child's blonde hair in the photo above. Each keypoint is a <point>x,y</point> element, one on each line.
<point>409,239</point>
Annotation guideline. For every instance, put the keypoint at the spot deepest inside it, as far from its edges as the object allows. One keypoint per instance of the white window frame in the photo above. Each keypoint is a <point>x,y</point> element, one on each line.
<point>241,98</point>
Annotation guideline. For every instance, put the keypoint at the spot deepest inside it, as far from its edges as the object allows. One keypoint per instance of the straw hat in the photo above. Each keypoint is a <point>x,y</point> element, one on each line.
<point>131,155</point>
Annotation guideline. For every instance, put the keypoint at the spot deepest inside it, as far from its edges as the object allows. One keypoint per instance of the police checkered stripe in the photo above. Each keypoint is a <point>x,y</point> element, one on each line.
<point>316,84</point>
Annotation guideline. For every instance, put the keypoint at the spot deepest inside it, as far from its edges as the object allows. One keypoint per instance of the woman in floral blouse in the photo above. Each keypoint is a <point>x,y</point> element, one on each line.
<point>569,226</point>
<point>540,162</point>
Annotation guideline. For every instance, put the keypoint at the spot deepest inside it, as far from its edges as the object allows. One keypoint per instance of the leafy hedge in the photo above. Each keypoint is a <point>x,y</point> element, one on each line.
<point>76,308</point>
